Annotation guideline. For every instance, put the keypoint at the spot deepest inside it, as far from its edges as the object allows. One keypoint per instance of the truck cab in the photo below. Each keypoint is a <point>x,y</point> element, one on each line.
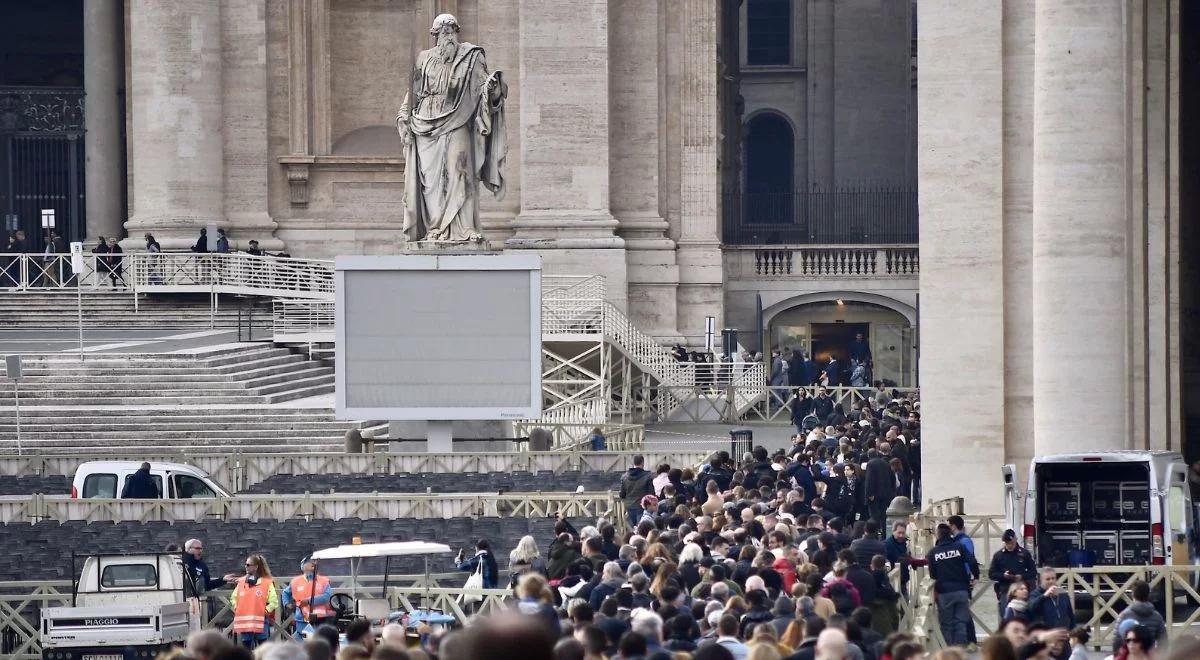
<point>123,607</point>
<point>1118,508</point>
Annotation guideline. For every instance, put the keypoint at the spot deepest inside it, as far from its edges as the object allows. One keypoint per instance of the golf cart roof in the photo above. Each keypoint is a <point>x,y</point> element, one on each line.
<point>395,549</point>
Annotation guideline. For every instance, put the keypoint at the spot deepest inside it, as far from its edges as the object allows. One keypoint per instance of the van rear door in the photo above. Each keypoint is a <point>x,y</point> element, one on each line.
<point>1177,518</point>
<point>1012,498</point>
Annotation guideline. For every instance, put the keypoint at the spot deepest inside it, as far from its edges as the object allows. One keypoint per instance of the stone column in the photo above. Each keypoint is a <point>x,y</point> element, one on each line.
<point>699,256</point>
<point>638,71</point>
<point>103,77</point>
<point>961,169</point>
<point>176,145</point>
<point>1080,244</point>
<point>244,108</point>
<point>564,118</point>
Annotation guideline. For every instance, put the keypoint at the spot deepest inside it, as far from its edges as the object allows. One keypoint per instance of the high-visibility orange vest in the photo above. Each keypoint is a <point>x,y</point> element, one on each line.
<point>303,589</point>
<point>250,615</point>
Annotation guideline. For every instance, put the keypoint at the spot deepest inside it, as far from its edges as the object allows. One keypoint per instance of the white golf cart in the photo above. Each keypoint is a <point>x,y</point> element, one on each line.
<point>378,610</point>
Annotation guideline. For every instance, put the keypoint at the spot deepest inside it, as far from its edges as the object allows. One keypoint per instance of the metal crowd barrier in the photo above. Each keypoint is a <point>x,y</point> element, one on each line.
<point>336,506</point>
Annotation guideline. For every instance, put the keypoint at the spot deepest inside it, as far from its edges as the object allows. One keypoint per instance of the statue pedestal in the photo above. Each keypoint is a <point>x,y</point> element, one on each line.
<point>447,247</point>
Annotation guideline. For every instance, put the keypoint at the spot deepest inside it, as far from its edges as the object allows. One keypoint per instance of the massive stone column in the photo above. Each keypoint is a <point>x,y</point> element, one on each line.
<point>701,279</point>
<point>244,109</point>
<point>1080,245</point>
<point>564,115</point>
<point>636,128</point>
<point>103,77</point>
<point>961,167</point>
<point>176,146</point>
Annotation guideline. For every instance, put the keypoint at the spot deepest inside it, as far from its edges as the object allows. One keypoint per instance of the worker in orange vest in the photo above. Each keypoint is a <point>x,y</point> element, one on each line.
<point>310,593</point>
<point>255,601</point>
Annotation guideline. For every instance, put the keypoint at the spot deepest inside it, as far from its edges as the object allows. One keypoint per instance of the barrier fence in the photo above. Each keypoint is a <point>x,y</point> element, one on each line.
<point>239,471</point>
<point>734,400</point>
<point>336,506</point>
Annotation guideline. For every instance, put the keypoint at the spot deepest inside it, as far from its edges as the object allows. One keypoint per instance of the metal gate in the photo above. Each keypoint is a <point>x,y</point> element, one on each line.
<point>42,162</point>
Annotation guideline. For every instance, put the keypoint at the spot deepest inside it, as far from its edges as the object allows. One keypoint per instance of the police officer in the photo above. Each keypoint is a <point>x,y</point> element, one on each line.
<point>1010,564</point>
<point>954,571</point>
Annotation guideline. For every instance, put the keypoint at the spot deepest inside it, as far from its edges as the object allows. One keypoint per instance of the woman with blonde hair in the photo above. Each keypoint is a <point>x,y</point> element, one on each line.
<point>525,558</point>
<point>255,602</point>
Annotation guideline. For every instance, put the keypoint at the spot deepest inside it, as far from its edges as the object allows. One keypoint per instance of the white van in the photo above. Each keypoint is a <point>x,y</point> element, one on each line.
<point>106,480</point>
<point>1116,508</point>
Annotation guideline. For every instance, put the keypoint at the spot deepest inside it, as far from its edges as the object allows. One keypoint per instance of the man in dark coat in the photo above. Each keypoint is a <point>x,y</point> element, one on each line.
<point>822,404</point>
<point>193,560</point>
<point>880,486</point>
<point>635,485</point>
<point>1010,564</point>
<point>140,485</point>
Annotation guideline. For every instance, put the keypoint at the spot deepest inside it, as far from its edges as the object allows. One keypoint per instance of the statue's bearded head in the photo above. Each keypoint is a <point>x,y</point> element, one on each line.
<point>445,33</point>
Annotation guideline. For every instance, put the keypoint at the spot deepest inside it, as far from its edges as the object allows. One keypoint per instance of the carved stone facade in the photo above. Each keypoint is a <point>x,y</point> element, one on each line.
<point>275,119</point>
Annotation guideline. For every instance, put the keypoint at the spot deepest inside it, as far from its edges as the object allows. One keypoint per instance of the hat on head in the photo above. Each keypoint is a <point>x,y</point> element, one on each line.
<point>784,607</point>
<point>864,423</point>
<point>1009,535</point>
<point>307,558</point>
<point>714,617</point>
<point>1126,626</point>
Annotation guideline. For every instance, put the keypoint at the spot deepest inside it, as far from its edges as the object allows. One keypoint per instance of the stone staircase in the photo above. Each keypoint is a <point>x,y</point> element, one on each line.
<point>114,309</point>
<point>217,400</point>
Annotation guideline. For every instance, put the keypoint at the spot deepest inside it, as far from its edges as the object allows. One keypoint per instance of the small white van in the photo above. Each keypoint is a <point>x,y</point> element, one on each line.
<point>1115,508</point>
<point>106,480</point>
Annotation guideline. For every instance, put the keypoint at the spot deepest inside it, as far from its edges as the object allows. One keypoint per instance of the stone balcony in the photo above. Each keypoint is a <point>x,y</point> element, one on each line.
<point>822,261</point>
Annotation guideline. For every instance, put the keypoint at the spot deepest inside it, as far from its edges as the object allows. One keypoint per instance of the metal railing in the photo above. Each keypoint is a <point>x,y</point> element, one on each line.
<point>739,401</point>
<point>39,272</point>
<point>837,216</point>
<point>239,471</point>
<point>827,261</point>
<point>333,506</point>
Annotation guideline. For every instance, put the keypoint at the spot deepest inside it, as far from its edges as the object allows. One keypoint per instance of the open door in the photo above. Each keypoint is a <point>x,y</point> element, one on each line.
<point>1179,516</point>
<point>1013,510</point>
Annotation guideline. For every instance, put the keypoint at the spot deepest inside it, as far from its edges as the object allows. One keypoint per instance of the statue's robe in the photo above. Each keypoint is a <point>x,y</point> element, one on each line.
<point>458,139</point>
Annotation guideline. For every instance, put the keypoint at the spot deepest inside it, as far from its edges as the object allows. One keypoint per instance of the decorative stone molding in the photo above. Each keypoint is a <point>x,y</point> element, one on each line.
<point>297,178</point>
<point>300,167</point>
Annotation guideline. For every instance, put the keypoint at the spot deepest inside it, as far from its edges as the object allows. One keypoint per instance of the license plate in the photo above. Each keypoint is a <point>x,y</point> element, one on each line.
<point>103,656</point>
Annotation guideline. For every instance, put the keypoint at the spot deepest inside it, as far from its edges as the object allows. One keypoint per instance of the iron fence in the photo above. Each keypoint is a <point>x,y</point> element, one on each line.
<point>836,216</point>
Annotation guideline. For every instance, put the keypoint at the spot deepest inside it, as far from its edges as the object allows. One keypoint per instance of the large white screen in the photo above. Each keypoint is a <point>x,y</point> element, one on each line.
<point>438,343</point>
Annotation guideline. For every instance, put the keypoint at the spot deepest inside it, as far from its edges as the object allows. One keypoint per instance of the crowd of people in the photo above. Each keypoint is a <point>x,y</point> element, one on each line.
<point>739,559</point>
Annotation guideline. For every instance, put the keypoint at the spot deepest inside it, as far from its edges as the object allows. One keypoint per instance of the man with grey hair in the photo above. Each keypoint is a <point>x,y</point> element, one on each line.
<point>452,126</point>
<point>611,579</point>
<point>832,645</point>
<point>193,561</point>
<point>649,625</point>
<point>281,651</point>
<point>720,592</point>
<point>204,644</point>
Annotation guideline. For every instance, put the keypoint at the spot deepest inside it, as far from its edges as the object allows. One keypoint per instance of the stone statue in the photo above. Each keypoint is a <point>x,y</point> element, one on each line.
<point>452,125</point>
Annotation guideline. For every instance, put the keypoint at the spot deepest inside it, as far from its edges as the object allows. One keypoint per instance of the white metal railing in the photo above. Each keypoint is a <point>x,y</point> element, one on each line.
<point>332,506</point>
<point>829,261</point>
<point>231,273</point>
<point>33,272</point>
<point>300,320</point>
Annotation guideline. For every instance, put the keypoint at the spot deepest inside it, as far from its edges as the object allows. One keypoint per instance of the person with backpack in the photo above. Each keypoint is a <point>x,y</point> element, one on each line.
<point>635,484</point>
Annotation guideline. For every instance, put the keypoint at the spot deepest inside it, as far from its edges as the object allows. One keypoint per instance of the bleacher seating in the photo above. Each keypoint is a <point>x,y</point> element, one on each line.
<point>489,482</point>
<point>227,543</point>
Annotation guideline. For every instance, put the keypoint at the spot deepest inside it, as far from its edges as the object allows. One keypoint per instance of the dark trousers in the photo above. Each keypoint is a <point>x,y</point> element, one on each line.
<point>877,509</point>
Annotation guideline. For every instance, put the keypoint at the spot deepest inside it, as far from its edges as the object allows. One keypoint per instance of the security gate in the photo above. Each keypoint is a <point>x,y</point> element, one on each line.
<point>42,163</point>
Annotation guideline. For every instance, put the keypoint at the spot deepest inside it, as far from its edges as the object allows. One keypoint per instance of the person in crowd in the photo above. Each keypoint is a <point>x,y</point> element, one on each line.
<point>636,484</point>
<point>954,570</point>
<point>193,562</point>
<point>482,561</point>
<point>1049,604</point>
<point>525,558</point>
<point>253,249</point>
<point>1016,602</point>
<point>222,242</point>
<point>1142,611</point>
<point>201,244</point>
<point>535,599</point>
<point>114,262</point>
<point>1079,638</point>
<point>310,593</point>
<point>1011,564</point>
<point>255,603</point>
<point>205,644</point>
<point>141,485</point>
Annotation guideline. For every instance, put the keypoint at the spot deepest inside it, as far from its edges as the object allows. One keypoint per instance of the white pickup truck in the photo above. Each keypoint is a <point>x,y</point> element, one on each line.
<point>124,607</point>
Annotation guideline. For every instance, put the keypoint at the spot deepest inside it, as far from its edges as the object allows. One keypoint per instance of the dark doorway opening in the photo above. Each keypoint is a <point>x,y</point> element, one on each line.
<point>41,120</point>
<point>833,340</point>
<point>770,171</point>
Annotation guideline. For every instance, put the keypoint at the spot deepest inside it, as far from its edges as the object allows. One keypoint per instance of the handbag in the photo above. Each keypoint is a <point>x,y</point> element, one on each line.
<point>475,581</point>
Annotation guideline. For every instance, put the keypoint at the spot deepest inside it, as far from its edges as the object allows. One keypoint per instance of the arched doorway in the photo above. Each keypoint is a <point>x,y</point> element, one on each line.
<point>770,171</point>
<point>847,330</point>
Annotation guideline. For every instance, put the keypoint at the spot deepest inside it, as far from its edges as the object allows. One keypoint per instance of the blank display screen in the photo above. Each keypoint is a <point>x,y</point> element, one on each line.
<point>437,339</point>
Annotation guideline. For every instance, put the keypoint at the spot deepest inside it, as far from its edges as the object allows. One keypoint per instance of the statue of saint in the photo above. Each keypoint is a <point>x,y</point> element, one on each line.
<point>452,127</point>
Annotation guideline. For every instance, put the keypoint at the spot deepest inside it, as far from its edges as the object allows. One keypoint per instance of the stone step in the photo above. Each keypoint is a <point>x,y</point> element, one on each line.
<point>182,434</point>
<point>255,447</point>
<point>302,393</point>
<point>125,400</point>
<point>322,377</point>
<point>224,413</point>
<point>157,425</point>
<point>121,377</point>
